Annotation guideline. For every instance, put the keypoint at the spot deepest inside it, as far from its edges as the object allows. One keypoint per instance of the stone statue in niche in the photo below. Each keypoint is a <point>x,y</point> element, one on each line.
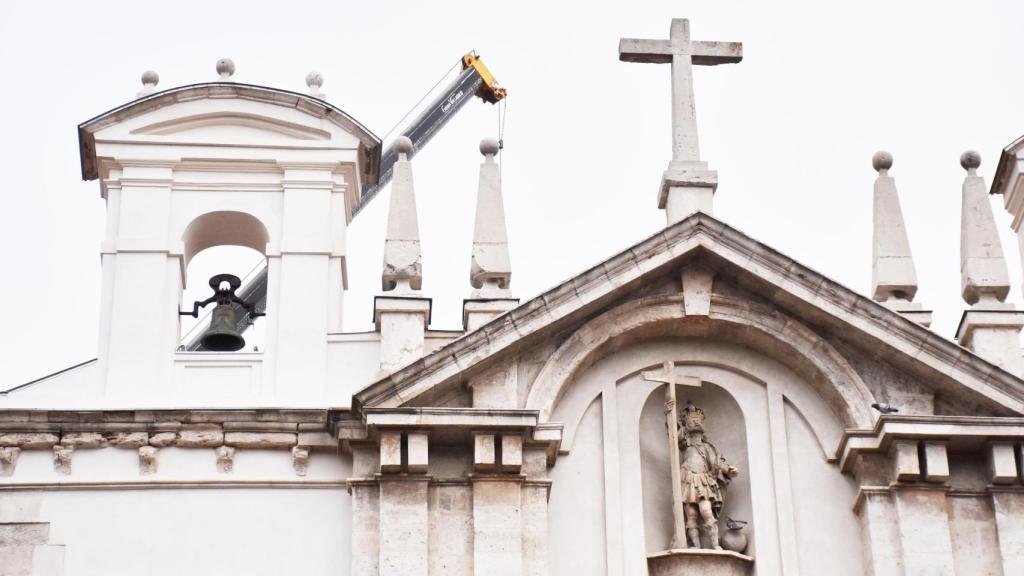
<point>703,473</point>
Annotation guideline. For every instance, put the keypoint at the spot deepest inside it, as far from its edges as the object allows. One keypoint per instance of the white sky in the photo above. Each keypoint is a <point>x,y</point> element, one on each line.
<point>790,130</point>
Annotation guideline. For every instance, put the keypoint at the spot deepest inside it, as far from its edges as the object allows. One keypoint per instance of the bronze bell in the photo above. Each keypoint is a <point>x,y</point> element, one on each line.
<point>222,335</point>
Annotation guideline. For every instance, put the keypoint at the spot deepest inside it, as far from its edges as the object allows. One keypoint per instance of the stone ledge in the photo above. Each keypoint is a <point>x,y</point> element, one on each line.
<point>165,484</point>
<point>966,432</point>
<point>681,562</point>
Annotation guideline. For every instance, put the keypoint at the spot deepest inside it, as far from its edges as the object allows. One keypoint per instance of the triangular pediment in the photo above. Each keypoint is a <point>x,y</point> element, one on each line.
<point>753,276</point>
<point>239,123</point>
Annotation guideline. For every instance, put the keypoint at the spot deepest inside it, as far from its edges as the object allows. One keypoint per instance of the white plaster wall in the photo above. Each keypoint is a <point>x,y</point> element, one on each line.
<point>826,527</point>
<point>200,531</point>
<point>576,508</point>
<point>190,518</point>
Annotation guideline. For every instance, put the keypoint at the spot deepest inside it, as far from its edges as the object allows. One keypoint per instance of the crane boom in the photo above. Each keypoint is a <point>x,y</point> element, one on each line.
<point>474,79</point>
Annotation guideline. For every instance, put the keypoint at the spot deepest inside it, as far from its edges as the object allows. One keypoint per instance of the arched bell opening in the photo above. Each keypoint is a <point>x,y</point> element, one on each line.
<point>225,256</point>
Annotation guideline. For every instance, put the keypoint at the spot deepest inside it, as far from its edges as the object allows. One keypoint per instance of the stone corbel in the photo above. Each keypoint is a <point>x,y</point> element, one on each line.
<point>225,459</point>
<point>906,462</point>
<point>511,453</point>
<point>494,453</point>
<point>390,452</point>
<point>484,452</point>
<point>417,445</point>
<point>1002,463</point>
<point>300,460</point>
<point>62,458</point>
<point>147,460</point>
<point>697,284</point>
<point>8,460</point>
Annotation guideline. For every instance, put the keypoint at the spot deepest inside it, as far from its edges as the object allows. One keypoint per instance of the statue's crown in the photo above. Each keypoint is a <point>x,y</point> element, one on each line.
<point>692,416</point>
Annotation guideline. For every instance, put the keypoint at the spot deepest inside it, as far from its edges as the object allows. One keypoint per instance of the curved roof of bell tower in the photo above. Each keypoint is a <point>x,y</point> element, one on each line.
<point>369,143</point>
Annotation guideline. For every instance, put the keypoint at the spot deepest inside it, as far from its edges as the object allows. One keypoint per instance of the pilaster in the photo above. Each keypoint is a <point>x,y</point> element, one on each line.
<point>142,287</point>
<point>880,537</point>
<point>497,525</point>
<point>404,525</point>
<point>304,285</point>
<point>924,530</point>
<point>535,495</point>
<point>1008,505</point>
<point>365,527</point>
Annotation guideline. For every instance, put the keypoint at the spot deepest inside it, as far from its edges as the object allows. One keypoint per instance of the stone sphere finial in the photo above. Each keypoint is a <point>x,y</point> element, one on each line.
<point>150,78</point>
<point>226,68</point>
<point>403,145</point>
<point>314,80</point>
<point>489,147</point>
<point>882,160</point>
<point>970,160</point>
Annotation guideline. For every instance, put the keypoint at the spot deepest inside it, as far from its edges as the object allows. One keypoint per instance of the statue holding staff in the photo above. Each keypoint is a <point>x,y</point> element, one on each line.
<point>703,472</point>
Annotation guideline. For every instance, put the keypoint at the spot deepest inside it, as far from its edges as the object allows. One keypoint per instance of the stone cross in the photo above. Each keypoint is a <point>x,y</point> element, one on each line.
<point>669,377</point>
<point>687,186</point>
<point>683,54</point>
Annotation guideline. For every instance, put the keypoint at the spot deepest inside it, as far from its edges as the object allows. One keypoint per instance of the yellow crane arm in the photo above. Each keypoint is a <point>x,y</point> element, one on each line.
<point>489,91</point>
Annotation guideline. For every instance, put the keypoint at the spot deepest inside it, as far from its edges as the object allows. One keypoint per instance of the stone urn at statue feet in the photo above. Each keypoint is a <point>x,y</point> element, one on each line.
<point>733,538</point>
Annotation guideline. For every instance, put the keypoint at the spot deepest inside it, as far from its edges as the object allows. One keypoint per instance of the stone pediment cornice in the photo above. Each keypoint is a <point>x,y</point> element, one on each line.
<point>785,280</point>
<point>369,142</point>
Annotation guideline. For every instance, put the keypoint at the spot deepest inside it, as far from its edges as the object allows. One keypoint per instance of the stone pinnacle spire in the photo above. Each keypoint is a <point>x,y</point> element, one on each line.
<point>983,275</point>
<point>490,269</point>
<point>990,327</point>
<point>892,270</point>
<point>402,258</point>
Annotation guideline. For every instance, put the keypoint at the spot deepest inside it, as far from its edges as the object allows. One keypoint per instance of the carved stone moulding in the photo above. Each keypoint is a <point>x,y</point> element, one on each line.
<point>681,562</point>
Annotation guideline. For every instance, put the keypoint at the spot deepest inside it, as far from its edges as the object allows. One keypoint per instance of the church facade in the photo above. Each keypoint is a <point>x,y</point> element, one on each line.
<point>697,403</point>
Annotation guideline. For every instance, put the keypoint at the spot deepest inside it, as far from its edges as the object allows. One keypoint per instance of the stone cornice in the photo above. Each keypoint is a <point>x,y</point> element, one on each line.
<point>244,428</point>
<point>171,484</point>
<point>17,417</point>
<point>964,430</point>
<point>795,282</point>
<point>475,418</point>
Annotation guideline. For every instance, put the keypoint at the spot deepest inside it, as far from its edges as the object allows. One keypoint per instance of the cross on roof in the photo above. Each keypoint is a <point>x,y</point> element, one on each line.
<point>683,54</point>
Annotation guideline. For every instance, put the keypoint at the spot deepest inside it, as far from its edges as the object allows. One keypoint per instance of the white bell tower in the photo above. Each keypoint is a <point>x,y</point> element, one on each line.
<point>214,164</point>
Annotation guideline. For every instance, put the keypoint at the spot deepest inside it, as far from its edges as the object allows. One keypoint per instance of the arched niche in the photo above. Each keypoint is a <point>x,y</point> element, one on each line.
<point>224,228</point>
<point>725,426</point>
<point>764,417</point>
<point>734,320</point>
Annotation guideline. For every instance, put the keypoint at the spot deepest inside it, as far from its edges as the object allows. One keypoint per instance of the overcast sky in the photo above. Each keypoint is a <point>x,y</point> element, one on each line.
<point>791,131</point>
